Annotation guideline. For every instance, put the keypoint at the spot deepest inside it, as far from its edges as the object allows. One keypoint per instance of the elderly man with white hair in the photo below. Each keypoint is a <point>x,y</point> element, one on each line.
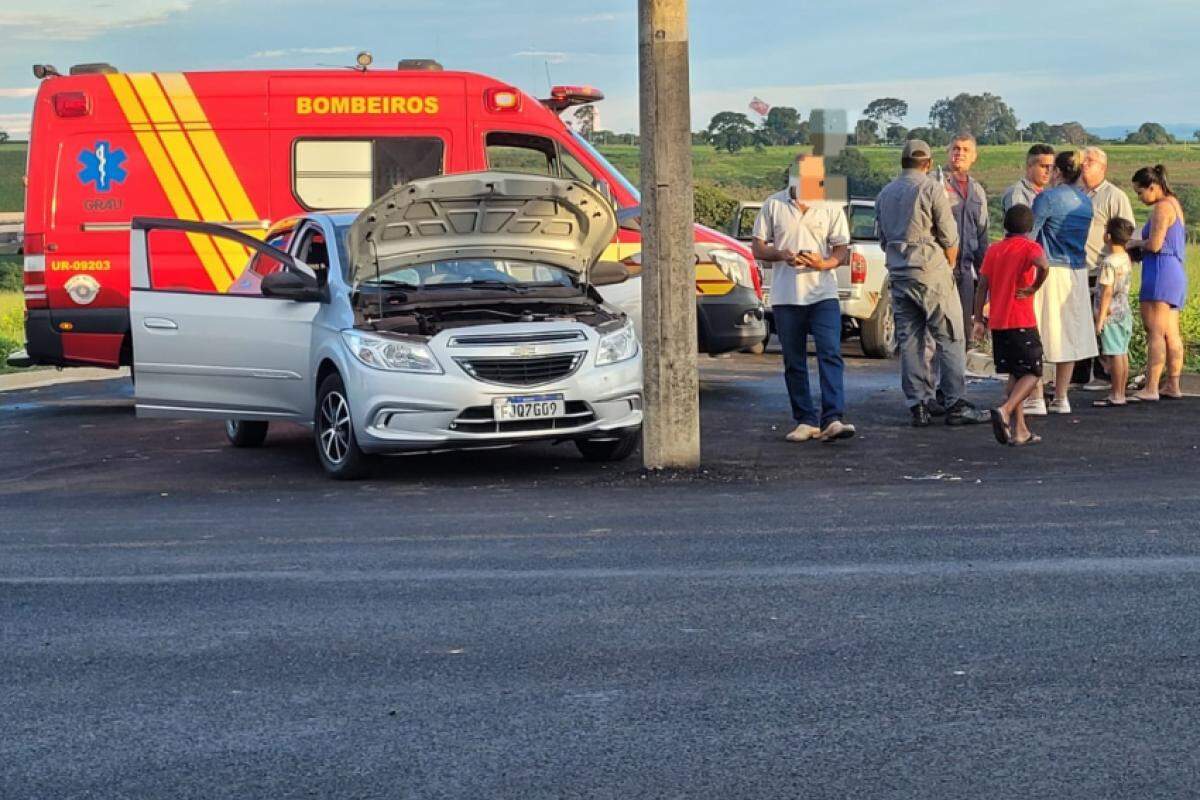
<point>1108,202</point>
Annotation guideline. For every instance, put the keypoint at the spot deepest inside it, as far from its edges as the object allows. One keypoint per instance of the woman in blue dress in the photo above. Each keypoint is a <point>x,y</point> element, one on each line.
<point>1164,282</point>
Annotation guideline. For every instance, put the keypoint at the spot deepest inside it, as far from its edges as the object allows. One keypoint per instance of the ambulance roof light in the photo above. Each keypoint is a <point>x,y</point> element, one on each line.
<point>97,68</point>
<point>563,97</point>
<point>420,64</point>
<point>363,60</point>
<point>43,71</point>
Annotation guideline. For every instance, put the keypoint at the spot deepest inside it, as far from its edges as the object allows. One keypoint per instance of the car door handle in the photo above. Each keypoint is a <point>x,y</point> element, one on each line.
<point>160,324</point>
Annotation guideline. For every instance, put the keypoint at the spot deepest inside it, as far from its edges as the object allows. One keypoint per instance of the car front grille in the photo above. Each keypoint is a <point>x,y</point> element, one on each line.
<point>482,419</point>
<point>524,371</point>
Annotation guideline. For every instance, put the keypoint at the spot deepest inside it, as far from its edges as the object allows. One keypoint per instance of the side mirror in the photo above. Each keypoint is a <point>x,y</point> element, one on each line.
<point>606,273</point>
<point>291,286</point>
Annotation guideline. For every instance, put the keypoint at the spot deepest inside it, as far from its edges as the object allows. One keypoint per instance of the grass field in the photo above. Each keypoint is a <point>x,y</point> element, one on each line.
<point>12,167</point>
<point>12,325</point>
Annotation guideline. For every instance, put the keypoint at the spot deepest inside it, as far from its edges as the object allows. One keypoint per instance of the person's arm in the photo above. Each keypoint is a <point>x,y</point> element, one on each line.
<point>768,252</point>
<point>945,229</point>
<point>981,244</point>
<point>1043,271</point>
<point>1161,219</point>
<point>838,256</point>
<point>981,293</point>
<point>1106,295</point>
<point>1041,213</point>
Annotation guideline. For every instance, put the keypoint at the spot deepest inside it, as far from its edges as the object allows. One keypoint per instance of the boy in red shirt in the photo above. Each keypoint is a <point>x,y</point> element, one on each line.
<point>1013,270</point>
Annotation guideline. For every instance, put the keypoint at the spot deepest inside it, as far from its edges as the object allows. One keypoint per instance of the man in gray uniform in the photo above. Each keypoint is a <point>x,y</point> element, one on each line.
<point>920,239</point>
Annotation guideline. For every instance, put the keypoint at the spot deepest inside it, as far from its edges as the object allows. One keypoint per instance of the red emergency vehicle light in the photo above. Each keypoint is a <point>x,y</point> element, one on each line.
<point>72,104</point>
<point>563,97</point>
<point>502,99</point>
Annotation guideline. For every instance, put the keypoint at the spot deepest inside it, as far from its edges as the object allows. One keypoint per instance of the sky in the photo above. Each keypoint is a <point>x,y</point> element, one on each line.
<point>1101,62</point>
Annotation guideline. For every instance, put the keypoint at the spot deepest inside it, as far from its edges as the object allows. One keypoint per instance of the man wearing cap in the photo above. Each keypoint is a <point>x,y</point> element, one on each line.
<point>919,236</point>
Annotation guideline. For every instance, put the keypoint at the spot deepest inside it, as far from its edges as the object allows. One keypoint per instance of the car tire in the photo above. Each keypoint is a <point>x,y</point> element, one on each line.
<point>616,449</point>
<point>246,433</point>
<point>878,332</point>
<point>333,433</point>
<point>757,349</point>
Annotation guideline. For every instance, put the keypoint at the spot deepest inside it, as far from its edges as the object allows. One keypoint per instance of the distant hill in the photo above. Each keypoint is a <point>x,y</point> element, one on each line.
<point>1183,131</point>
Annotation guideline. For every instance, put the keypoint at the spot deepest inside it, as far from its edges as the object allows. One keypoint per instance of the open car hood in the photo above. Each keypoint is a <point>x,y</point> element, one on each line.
<point>482,215</point>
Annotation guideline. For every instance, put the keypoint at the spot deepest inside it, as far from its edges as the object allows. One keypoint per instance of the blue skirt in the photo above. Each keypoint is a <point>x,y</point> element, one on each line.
<point>1164,280</point>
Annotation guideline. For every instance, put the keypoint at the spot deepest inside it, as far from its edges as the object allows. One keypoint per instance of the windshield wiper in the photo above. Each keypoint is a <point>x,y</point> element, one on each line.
<point>391,282</point>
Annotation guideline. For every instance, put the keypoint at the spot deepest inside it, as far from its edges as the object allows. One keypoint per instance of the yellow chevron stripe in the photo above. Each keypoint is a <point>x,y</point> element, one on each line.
<point>194,176</point>
<point>200,132</point>
<point>177,196</point>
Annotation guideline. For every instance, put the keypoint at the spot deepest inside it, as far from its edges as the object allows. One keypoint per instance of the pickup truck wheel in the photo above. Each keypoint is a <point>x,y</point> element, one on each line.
<point>333,433</point>
<point>245,433</point>
<point>618,448</point>
<point>878,332</point>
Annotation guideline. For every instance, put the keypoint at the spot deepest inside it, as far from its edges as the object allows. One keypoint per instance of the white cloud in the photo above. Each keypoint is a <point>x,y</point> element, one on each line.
<point>26,91</point>
<point>16,125</point>
<point>553,57</point>
<point>304,51</point>
<point>69,20</point>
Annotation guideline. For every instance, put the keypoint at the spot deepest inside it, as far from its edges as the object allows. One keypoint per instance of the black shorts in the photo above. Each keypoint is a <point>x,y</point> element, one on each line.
<point>1017,352</point>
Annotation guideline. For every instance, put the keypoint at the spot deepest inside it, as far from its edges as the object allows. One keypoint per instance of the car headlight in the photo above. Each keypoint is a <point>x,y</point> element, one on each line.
<point>735,267</point>
<point>620,345</point>
<point>391,353</point>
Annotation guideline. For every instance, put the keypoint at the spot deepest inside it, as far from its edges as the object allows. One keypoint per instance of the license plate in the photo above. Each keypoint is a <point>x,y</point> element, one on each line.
<point>530,406</point>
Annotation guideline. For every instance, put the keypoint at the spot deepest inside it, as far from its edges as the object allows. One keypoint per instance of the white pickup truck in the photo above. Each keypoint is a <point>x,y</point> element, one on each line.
<point>862,284</point>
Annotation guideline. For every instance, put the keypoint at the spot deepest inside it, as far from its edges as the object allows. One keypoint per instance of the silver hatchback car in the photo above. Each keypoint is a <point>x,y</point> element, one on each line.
<point>455,312</point>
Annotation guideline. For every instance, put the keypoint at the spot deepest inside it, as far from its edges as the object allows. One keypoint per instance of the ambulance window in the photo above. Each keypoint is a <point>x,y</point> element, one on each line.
<point>350,173</point>
<point>519,152</point>
<point>573,169</point>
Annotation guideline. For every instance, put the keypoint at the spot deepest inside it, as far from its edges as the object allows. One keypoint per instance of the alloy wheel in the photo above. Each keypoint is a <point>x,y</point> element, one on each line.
<point>335,427</point>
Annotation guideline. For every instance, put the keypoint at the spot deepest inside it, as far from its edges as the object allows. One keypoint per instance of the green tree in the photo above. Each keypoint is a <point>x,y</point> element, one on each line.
<point>934,137</point>
<point>784,126</point>
<point>1196,135</point>
<point>866,133</point>
<point>985,116</point>
<point>863,180</point>
<point>886,110</point>
<point>896,134</point>
<point>3,137</point>
<point>731,131</point>
<point>585,121</point>
<point>1038,132</point>
<point>712,207</point>
<point>1150,133</point>
<point>1074,133</point>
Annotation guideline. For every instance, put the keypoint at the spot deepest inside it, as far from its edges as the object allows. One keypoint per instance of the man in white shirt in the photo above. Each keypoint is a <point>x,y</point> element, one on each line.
<point>806,241</point>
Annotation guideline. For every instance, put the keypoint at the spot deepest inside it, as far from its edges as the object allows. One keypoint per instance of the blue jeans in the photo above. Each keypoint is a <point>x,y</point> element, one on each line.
<point>823,321</point>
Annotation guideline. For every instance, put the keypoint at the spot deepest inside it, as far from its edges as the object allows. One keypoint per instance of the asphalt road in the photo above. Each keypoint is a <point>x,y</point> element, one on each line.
<point>917,614</point>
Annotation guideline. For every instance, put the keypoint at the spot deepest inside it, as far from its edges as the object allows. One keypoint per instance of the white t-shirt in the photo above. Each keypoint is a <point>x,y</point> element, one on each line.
<point>819,227</point>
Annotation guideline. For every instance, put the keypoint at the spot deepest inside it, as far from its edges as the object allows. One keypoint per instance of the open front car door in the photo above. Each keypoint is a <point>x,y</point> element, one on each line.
<point>220,356</point>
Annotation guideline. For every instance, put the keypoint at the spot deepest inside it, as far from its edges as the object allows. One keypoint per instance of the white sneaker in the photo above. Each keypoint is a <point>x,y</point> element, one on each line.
<point>1059,407</point>
<point>1034,407</point>
<point>837,430</point>
<point>803,433</point>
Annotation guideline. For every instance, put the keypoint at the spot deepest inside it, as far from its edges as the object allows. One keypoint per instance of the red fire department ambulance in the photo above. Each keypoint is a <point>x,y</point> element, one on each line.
<point>247,148</point>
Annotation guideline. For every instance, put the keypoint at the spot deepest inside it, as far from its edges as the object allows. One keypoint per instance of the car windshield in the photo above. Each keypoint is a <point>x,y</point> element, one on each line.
<point>608,167</point>
<point>476,273</point>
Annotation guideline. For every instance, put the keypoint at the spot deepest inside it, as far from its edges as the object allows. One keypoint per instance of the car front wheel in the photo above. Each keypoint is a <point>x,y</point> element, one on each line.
<point>333,431</point>
<point>878,333</point>
<point>618,448</point>
<point>245,433</point>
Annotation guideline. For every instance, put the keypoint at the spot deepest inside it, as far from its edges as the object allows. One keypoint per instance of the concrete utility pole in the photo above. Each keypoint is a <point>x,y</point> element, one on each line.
<point>671,436</point>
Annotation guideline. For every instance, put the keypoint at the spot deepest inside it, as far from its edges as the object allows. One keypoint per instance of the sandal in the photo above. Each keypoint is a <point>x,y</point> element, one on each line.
<point>1139,398</point>
<point>1032,440</point>
<point>1000,428</point>
<point>1108,402</point>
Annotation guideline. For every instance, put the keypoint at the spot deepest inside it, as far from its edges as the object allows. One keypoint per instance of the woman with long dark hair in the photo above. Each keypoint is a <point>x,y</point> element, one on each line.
<point>1062,220</point>
<point>1163,248</point>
